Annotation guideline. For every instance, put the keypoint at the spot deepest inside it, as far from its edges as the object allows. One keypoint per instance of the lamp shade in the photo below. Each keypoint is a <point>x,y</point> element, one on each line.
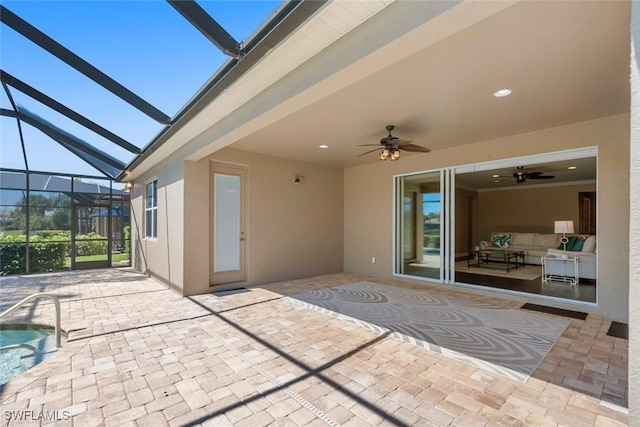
<point>563,226</point>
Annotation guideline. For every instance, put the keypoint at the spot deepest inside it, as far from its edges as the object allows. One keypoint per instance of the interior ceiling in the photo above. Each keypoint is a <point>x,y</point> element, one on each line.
<point>584,172</point>
<point>566,62</point>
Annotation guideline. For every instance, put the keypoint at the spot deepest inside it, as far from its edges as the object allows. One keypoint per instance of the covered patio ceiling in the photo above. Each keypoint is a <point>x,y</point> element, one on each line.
<point>565,62</point>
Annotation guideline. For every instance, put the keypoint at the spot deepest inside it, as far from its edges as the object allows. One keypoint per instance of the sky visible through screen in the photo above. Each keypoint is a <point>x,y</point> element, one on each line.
<point>146,46</point>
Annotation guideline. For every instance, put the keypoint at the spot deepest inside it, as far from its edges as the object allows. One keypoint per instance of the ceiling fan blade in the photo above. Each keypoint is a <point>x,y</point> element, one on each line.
<point>533,174</point>
<point>369,145</point>
<point>401,142</point>
<point>415,148</point>
<point>371,151</point>
<point>541,177</point>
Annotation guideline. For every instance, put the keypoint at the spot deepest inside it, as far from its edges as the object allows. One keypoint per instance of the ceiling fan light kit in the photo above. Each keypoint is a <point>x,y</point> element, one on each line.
<point>392,154</point>
<point>391,146</point>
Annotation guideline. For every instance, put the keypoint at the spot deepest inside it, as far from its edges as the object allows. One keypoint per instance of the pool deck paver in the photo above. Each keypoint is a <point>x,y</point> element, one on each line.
<point>139,354</point>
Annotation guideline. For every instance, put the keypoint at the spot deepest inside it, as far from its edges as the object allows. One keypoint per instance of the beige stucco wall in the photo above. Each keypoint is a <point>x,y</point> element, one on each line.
<point>292,231</point>
<point>537,208</point>
<point>369,201</point>
<point>161,258</point>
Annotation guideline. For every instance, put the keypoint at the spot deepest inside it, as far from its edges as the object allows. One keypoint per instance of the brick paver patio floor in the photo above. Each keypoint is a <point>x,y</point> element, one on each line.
<point>138,354</point>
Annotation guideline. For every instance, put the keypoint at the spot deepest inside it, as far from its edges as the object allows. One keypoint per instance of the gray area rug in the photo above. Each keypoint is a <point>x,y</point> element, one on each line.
<point>505,341</point>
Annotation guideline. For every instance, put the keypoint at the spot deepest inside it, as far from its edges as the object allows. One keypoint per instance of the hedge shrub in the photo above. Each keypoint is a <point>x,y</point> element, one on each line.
<point>47,251</point>
<point>91,247</point>
<point>127,239</point>
<point>45,254</point>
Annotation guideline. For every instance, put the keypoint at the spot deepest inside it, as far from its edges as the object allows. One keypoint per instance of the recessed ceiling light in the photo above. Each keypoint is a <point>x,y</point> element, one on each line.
<point>502,93</point>
<point>572,168</point>
<point>323,146</point>
<point>495,176</point>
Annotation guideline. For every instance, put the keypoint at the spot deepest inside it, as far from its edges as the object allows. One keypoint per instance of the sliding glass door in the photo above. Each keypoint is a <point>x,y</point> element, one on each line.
<point>447,215</point>
<point>421,225</point>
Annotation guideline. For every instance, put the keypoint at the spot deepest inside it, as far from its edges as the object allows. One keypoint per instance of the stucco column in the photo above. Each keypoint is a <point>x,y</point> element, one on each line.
<point>196,228</point>
<point>634,224</point>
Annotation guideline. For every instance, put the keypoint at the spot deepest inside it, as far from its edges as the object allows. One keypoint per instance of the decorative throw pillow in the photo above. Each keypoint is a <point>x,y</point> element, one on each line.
<point>578,244</point>
<point>571,241</point>
<point>589,244</point>
<point>501,240</point>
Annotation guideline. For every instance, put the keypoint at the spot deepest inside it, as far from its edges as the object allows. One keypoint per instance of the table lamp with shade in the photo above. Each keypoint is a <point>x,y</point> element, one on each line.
<point>563,227</point>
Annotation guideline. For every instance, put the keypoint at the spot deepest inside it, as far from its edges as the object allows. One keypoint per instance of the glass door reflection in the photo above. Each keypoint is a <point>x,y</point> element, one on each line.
<point>420,225</point>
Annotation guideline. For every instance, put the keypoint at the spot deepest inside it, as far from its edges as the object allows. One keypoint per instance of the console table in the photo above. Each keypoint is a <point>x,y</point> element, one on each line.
<point>560,269</point>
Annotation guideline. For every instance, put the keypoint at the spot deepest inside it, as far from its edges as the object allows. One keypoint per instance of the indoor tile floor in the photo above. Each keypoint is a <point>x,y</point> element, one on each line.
<point>138,354</point>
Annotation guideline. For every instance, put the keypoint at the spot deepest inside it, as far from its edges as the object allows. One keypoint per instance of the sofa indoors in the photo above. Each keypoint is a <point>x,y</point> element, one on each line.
<point>535,245</point>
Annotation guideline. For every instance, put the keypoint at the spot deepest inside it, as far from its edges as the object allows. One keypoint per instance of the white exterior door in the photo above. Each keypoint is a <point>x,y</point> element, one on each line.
<point>228,225</point>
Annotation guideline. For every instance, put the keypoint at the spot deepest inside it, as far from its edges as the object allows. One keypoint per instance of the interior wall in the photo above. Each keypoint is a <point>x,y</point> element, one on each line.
<point>293,230</point>
<point>369,199</point>
<point>528,210</point>
<point>463,217</point>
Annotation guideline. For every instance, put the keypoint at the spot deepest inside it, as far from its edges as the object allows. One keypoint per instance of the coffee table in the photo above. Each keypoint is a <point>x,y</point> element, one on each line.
<point>503,259</point>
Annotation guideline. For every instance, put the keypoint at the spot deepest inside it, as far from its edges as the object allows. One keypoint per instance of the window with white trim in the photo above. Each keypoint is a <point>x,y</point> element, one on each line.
<point>151,210</point>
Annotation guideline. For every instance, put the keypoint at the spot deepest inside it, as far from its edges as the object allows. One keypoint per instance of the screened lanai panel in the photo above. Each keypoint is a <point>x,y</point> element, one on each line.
<point>67,125</point>
<point>48,199</point>
<point>93,185</point>
<point>43,153</point>
<point>69,87</point>
<point>11,152</point>
<point>12,205</point>
<point>37,181</point>
<point>147,47</point>
<point>50,223</point>
<point>142,45</point>
<point>81,189</point>
<point>49,213</point>
<point>13,180</point>
<point>10,197</point>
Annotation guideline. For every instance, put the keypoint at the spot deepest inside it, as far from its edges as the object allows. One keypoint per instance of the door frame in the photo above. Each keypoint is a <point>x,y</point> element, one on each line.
<point>447,258</point>
<point>83,265</point>
<point>511,162</point>
<point>236,278</point>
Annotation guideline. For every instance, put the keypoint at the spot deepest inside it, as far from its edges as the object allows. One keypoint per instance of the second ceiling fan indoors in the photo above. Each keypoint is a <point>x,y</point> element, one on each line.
<point>391,146</point>
<point>521,175</point>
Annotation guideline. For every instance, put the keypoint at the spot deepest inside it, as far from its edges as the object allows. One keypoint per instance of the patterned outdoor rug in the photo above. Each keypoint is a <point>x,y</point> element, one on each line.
<point>505,341</point>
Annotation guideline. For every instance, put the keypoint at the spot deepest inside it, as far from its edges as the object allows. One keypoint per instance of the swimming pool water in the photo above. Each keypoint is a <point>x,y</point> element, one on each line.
<point>14,362</point>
